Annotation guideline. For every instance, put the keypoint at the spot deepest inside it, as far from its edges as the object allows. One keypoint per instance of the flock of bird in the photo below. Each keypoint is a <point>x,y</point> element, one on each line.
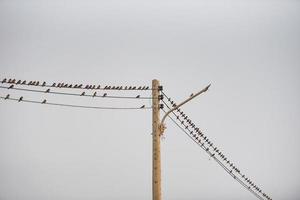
<point>74,86</point>
<point>198,136</point>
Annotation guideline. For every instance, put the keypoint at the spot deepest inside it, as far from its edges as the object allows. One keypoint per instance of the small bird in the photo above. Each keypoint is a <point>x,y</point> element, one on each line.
<point>143,106</point>
<point>80,86</point>
<point>48,90</point>
<point>53,85</point>
<point>105,94</point>
<point>95,94</point>
<point>30,83</point>
<point>82,94</point>
<point>191,95</point>
<point>44,83</point>
<point>98,87</point>
<point>20,99</point>
<point>13,81</point>
<point>37,83</point>
<point>11,86</point>
<point>7,97</point>
<point>75,86</point>
<point>138,96</point>
<point>58,85</point>
<point>139,88</point>
<point>34,82</point>
<point>44,101</point>
<point>24,82</point>
<point>70,86</point>
<point>125,88</point>
<point>86,87</point>
<point>134,88</point>
<point>19,82</point>
<point>147,88</point>
<point>4,80</point>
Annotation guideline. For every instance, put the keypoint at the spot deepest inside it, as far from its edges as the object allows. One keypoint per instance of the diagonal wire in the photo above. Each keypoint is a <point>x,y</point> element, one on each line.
<point>217,160</point>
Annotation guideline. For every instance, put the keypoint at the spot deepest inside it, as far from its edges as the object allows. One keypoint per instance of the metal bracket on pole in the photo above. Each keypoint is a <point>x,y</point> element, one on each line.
<point>162,125</point>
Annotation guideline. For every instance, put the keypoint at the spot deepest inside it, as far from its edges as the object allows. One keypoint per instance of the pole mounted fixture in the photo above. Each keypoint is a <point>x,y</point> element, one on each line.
<point>162,125</point>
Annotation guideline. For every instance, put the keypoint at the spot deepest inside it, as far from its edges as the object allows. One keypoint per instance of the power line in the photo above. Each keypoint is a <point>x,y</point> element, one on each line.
<point>201,145</point>
<point>74,86</point>
<point>187,123</point>
<point>104,95</point>
<point>44,101</point>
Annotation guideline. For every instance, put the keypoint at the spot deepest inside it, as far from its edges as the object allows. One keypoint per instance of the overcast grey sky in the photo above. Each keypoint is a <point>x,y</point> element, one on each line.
<point>248,50</point>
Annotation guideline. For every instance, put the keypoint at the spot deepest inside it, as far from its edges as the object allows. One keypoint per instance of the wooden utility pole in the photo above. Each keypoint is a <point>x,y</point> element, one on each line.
<point>156,167</point>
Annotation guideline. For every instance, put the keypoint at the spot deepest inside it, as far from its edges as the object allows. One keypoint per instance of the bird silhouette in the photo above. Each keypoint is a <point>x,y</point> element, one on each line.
<point>34,82</point>
<point>24,82</point>
<point>70,86</point>
<point>95,94</point>
<point>143,106</point>
<point>105,94</point>
<point>37,83</point>
<point>20,99</point>
<point>98,87</point>
<point>53,85</point>
<point>44,101</point>
<point>191,95</point>
<point>75,86</point>
<point>4,80</point>
<point>19,82</point>
<point>7,97</point>
<point>80,86</point>
<point>11,86</point>
<point>48,90</point>
<point>44,84</point>
<point>13,81</point>
<point>138,96</point>
<point>82,94</point>
<point>30,83</point>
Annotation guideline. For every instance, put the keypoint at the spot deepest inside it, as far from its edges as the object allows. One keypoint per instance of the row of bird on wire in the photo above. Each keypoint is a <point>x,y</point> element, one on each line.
<point>198,136</point>
<point>44,101</point>
<point>83,93</point>
<point>73,86</point>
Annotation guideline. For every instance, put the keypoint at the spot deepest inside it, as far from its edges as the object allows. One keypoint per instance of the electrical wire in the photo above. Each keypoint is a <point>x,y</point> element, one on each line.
<point>73,86</point>
<point>21,99</point>
<point>217,160</point>
<point>73,94</point>
<point>219,153</point>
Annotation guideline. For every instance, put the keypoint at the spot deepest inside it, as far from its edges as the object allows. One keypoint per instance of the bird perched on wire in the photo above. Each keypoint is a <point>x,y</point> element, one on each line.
<point>143,106</point>
<point>19,82</point>
<point>48,90</point>
<point>44,101</point>
<point>95,94</point>
<point>11,86</point>
<point>4,80</point>
<point>138,96</point>
<point>192,95</point>
<point>20,99</point>
<point>105,94</point>
<point>44,83</point>
<point>82,94</point>
<point>7,97</point>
